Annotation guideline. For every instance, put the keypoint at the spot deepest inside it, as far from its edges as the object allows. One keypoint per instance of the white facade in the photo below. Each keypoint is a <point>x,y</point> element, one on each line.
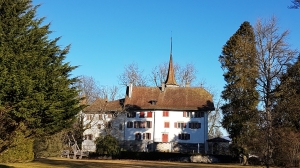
<point>149,128</point>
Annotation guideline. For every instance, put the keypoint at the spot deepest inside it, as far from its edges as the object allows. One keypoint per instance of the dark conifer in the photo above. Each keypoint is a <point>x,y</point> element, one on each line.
<point>37,96</point>
<point>239,63</point>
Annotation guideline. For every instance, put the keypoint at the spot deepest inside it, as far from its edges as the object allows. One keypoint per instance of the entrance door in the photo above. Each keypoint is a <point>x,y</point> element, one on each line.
<point>165,138</point>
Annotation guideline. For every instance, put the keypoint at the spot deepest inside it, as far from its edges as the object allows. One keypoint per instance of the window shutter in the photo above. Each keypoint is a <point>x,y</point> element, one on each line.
<point>149,114</point>
<point>167,124</point>
<point>144,136</point>
<point>135,124</point>
<point>175,124</point>
<point>142,114</point>
<point>184,114</point>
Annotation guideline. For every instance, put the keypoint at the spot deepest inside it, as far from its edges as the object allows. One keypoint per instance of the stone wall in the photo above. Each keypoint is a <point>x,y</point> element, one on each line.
<point>149,146</point>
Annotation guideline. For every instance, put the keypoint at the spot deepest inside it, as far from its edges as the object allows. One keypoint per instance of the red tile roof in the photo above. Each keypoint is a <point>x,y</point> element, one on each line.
<point>172,98</point>
<point>102,105</point>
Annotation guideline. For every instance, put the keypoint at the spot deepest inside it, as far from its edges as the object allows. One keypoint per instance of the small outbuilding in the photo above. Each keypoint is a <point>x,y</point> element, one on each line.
<point>219,145</point>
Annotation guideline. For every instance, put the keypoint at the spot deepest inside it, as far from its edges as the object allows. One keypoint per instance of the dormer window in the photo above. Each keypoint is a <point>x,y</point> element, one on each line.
<point>153,102</point>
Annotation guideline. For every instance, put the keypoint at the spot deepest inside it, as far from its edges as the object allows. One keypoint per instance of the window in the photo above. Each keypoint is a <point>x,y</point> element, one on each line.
<point>180,125</point>
<point>120,127</point>
<point>88,137</point>
<point>142,114</point>
<point>89,117</point>
<point>108,124</point>
<point>184,136</point>
<point>99,126</point>
<point>194,125</point>
<point>188,114</point>
<point>146,135</point>
<point>131,114</point>
<point>199,114</point>
<point>148,124</point>
<point>138,136</point>
<point>100,117</point>
<point>129,124</point>
<point>149,114</point>
<point>165,113</point>
<point>167,125</point>
<point>142,124</point>
<point>139,124</point>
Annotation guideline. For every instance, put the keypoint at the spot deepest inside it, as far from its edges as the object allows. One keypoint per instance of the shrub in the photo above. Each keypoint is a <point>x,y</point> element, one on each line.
<point>21,151</point>
<point>107,145</point>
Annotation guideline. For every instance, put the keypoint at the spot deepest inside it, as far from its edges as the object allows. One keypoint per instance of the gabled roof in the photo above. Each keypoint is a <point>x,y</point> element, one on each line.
<point>218,139</point>
<point>102,105</point>
<point>172,98</point>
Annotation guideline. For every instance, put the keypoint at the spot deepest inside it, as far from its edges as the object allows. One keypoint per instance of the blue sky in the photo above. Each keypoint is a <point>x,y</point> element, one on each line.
<point>107,35</point>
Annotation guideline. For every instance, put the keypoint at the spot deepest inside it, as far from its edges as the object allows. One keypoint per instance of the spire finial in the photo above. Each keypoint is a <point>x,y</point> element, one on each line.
<point>171,43</point>
<point>170,81</point>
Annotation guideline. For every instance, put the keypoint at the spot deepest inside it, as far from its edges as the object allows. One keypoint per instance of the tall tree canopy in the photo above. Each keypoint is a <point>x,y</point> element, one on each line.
<point>238,60</point>
<point>274,55</point>
<point>37,94</point>
<point>288,99</point>
<point>260,73</point>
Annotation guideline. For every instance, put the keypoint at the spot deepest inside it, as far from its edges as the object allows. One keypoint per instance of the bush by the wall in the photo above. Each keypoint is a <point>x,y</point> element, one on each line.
<point>49,146</point>
<point>22,151</point>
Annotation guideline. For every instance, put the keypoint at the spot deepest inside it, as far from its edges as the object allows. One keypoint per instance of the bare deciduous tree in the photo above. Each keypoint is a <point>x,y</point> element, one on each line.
<point>160,72</point>
<point>214,118</point>
<point>132,74</point>
<point>184,75</point>
<point>274,55</point>
<point>89,89</point>
<point>187,74</point>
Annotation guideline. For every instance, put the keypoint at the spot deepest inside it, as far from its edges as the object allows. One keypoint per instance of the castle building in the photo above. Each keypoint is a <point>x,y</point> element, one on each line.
<point>168,118</point>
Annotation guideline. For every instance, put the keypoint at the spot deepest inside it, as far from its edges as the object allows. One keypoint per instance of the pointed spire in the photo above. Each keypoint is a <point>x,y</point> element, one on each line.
<point>171,75</point>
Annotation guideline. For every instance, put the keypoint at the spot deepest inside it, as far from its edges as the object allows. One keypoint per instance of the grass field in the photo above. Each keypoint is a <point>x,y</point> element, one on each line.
<point>70,163</point>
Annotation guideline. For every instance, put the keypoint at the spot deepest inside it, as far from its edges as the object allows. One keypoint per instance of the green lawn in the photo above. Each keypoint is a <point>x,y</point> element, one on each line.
<point>71,163</point>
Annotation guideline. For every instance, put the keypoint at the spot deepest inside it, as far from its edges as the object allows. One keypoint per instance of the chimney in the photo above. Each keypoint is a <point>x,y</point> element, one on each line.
<point>130,90</point>
<point>187,84</point>
<point>163,86</point>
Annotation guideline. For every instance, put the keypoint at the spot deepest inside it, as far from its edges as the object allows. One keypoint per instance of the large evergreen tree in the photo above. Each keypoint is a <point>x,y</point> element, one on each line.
<point>37,94</point>
<point>239,62</point>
